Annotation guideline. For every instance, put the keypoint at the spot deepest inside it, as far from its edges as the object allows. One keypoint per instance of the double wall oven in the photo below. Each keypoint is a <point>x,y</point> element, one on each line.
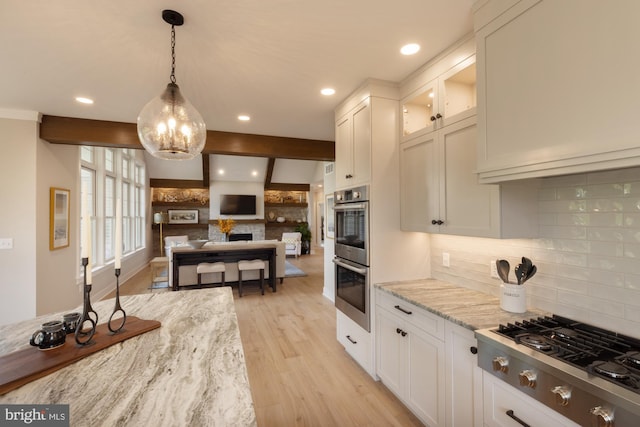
<point>352,254</point>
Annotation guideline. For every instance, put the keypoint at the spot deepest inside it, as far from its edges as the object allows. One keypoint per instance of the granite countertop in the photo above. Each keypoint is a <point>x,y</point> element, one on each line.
<point>465,307</point>
<point>190,371</point>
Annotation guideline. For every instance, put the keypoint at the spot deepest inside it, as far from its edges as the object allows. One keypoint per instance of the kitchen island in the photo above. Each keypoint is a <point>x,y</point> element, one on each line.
<point>189,372</point>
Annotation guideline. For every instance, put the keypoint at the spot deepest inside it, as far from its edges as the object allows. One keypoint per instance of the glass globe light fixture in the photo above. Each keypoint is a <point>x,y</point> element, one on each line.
<point>169,126</point>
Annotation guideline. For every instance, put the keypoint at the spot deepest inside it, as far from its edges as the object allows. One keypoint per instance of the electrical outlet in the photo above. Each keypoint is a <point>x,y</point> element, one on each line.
<point>445,259</point>
<point>6,243</point>
<point>494,269</point>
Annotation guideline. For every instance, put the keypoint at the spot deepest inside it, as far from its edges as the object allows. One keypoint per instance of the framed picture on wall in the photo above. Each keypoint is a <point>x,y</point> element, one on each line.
<point>183,216</point>
<point>58,218</point>
<point>329,218</point>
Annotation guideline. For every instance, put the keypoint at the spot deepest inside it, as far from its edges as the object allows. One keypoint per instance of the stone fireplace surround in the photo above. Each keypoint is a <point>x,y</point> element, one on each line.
<point>256,230</point>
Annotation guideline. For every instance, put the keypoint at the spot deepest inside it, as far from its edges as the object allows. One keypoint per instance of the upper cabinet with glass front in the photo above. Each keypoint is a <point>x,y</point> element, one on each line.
<point>440,93</point>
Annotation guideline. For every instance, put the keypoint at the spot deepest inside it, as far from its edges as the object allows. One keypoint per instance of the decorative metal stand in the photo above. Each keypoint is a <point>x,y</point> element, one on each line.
<point>117,308</point>
<point>89,315</point>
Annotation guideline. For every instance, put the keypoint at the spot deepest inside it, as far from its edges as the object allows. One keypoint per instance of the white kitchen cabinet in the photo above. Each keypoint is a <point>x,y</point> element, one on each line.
<point>442,101</point>
<point>503,402</point>
<point>464,400</point>
<point>440,192</point>
<point>410,356</point>
<point>557,87</point>
<point>353,146</point>
<point>355,340</point>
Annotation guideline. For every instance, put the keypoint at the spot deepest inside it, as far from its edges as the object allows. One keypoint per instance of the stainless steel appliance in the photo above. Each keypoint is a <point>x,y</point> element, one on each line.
<point>352,254</point>
<point>352,224</point>
<point>588,374</point>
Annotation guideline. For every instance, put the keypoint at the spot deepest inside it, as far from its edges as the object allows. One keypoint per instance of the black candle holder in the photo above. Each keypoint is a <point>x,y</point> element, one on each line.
<point>89,315</point>
<point>117,308</point>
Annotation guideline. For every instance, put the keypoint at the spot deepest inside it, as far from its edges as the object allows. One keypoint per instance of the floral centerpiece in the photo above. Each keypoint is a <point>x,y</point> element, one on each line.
<point>225,226</point>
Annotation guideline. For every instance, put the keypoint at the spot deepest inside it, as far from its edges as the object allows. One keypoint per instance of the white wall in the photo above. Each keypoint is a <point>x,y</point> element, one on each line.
<point>18,144</point>
<point>329,290</point>
<point>588,253</point>
<point>33,279</point>
<point>56,271</point>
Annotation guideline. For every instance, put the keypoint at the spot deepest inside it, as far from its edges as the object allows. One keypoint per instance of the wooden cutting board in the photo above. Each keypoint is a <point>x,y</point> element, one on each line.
<point>23,366</point>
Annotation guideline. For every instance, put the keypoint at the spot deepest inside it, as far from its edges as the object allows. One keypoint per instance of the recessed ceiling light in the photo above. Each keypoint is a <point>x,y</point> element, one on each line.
<point>254,173</point>
<point>410,49</point>
<point>84,100</point>
<point>327,91</point>
<point>244,118</point>
<point>220,171</point>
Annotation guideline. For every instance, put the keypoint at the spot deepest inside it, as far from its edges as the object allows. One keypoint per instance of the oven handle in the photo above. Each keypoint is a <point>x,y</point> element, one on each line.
<point>349,206</point>
<point>362,271</point>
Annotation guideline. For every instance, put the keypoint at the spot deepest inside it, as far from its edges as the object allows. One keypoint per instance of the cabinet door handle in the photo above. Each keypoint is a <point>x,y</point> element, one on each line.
<point>473,350</point>
<point>438,116</point>
<point>433,118</point>
<point>437,222</point>
<point>348,176</point>
<point>352,341</point>
<point>401,332</point>
<point>516,419</point>
<point>397,307</point>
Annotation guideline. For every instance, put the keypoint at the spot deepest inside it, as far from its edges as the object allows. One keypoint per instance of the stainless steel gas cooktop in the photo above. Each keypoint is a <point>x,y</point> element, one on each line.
<point>588,374</point>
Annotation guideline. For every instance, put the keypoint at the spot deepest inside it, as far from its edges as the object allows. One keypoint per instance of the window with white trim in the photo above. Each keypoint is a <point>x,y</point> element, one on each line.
<point>109,174</point>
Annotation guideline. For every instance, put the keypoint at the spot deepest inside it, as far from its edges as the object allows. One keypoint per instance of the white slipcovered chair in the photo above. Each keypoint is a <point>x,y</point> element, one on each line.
<point>293,243</point>
<point>171,241</point>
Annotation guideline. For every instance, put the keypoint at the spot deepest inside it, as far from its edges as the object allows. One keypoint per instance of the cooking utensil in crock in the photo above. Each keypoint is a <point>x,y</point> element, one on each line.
<point>520,273</point>
<point>531,273</point>
<point>503,269</point>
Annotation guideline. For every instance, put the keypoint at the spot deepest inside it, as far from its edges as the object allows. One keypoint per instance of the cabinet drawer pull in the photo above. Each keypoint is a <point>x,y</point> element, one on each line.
<point>352,341</point>
<point>397,307</point>
<point>516,419</point>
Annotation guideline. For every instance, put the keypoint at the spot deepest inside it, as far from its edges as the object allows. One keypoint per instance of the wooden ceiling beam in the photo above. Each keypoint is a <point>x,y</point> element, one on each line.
<point>269,174</point>
<point>288,187</point>
<point>176,183</point>
<point>74,131</point>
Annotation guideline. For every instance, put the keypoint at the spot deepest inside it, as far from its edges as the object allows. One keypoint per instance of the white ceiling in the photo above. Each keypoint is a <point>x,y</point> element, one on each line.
<point>264,58</point>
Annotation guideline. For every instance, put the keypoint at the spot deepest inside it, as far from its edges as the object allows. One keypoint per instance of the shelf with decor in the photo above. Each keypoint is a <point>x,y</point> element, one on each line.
<point>180,204</point>
<point>283,224</point>
<point>166,225</point>
<point>240,221</point>
<point>286,205</point>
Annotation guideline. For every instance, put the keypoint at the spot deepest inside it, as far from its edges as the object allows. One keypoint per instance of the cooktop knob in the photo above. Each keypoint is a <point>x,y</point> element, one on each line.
<point>501,364</point>
<point>528,378</point>
<point>563,395</point>
<point>603,416</point>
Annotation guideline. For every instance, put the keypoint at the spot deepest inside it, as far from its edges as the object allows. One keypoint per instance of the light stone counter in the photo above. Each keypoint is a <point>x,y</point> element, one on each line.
<point>189,372</point>
<point>465,307</point>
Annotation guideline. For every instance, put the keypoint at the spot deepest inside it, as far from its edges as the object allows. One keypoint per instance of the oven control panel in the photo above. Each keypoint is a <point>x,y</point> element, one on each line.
<point>357,194</point>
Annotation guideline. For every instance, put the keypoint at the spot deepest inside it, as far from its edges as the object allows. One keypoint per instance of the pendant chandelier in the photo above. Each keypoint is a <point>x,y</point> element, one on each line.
<point>169,127</point>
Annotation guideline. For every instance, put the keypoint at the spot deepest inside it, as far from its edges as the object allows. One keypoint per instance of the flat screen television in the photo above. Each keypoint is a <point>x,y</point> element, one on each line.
<point>237,204</point>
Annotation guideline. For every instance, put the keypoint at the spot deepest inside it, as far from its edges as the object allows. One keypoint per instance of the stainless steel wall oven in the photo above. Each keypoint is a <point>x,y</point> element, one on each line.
<point>352,254</point>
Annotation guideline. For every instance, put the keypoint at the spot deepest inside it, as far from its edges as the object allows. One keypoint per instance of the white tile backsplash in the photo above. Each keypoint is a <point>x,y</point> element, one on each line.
<point>588,252</point>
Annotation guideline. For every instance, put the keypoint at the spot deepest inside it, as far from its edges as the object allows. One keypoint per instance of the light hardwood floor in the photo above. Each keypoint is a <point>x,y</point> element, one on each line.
<point>299,374</point>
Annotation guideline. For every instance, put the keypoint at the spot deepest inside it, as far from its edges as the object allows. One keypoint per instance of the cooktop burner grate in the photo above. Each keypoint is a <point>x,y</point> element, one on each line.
<point>598,351</point>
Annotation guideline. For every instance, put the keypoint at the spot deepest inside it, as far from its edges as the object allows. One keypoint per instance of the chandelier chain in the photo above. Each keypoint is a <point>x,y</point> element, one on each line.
<point>173,54</point>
